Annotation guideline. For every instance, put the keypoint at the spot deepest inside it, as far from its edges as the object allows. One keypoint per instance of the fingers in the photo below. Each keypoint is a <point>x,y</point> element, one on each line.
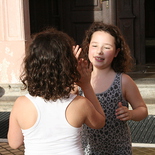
<point>84,71</point>
<point>76,51</point>
<point>122,112</point>
<point>83,66</point>
<point>120,104</point>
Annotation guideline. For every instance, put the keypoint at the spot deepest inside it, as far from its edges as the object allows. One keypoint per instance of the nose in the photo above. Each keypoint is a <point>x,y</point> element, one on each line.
<point>100,51</point>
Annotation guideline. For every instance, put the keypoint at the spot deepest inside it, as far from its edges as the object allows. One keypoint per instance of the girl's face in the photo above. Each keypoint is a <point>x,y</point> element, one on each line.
<point>102,49</point>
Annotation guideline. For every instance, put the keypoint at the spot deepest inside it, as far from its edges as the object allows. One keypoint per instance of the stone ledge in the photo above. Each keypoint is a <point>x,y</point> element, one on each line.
<point>147,145</point>
<point>8,98</point>
<point>13,89</point>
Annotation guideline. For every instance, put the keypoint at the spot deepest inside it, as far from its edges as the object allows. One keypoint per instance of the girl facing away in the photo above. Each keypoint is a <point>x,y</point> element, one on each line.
<point>109,54</point>
<point>48,119</point>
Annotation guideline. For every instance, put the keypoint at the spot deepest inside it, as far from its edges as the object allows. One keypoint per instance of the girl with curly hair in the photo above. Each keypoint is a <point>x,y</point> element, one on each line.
<point>105,47</point>
<point>49,118</point>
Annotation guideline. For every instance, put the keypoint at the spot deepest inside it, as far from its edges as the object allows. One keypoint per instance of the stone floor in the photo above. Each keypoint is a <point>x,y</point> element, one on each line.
<point>6,150</point>
<point>143,151</point>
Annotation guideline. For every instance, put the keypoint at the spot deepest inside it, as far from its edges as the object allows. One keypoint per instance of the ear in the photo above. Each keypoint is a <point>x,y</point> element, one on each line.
<point>117,51</point>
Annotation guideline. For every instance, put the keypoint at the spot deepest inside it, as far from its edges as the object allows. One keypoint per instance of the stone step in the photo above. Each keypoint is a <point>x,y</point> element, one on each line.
<point>6,106</point>
<point>12,91</point>
<point>147,89</point>
<point>145,84</point>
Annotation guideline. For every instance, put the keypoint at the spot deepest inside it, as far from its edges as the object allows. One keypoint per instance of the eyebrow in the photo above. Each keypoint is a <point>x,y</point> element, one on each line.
<point>104,43</point>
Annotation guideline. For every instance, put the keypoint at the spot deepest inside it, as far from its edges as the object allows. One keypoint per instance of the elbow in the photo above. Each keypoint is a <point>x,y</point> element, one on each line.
<point>145,113</point>
<point>139,115</point>
<point>101,124</point>
<point>15,141</point>
<point>14,146</point>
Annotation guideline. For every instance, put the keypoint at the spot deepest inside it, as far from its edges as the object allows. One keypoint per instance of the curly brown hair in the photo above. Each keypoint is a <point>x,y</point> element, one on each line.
<point>50,67</point>
<point>124,61</point>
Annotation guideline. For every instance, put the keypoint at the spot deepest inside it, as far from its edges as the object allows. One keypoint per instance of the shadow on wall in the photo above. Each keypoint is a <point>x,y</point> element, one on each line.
<point>2,91</point>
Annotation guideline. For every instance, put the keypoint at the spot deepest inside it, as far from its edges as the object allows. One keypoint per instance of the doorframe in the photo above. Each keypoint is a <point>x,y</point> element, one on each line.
<point>133,13</point>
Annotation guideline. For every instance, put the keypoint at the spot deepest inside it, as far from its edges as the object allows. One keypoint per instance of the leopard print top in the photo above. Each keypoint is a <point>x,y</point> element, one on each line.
<point>114,138</point>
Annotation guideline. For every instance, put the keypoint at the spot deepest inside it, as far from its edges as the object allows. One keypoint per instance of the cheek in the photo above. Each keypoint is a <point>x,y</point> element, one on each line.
<point>110,55</point>
<point>90,55</point>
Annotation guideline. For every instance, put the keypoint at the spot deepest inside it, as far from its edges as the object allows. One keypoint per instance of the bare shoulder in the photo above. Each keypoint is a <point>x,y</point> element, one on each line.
<point>127,80</point>
<point>22,105</point>
<point>21,102</point>
<point>81,102</point>
<point>128,86</point>
<point>76,112</point>
<point>25,112</point>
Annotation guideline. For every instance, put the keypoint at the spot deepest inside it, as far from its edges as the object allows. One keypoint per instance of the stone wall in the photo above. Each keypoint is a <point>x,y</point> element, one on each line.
<point>12,91</point>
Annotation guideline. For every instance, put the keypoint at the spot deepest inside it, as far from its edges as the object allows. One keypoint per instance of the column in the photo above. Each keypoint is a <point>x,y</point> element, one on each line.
<point>14,32</point>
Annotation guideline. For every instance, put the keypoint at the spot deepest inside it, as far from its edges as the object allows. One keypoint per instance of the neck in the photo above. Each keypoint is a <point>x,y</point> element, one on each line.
<point>98,72</point>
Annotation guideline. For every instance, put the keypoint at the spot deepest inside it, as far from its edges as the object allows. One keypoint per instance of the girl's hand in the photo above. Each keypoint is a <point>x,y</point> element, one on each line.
<point>123,113</point>
<point>76,51</point>
<point>85,71</point>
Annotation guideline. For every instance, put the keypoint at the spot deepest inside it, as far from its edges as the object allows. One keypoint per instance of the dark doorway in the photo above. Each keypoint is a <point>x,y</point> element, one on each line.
<point>70,16</point>
<point>150,31</point>
<point>44,14</point>
<point>136,19</point>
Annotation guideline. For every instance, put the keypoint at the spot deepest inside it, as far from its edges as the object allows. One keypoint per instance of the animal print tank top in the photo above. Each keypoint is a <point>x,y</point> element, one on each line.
<point>114,138</point>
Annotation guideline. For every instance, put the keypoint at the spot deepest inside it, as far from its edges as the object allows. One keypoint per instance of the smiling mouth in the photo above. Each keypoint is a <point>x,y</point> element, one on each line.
<point>99,58</point>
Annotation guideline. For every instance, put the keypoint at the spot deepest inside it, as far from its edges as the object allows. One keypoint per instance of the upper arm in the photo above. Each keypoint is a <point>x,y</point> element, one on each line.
<point>15,136</point>
<point>81,111</point>
<point>93,118</point>
<point>131,92</point>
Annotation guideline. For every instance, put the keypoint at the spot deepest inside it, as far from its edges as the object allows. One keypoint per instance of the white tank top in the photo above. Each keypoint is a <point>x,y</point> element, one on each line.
<point>52,134</point>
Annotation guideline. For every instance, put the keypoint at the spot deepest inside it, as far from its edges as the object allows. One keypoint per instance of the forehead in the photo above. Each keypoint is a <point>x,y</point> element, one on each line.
<point>102,36</point>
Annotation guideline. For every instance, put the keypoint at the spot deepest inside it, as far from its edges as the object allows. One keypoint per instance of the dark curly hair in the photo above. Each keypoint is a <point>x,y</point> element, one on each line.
<point>50,67</point>
<point>124,61</point>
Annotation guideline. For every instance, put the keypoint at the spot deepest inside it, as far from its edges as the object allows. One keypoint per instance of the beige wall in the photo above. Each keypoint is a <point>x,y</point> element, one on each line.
<point>12,39</point>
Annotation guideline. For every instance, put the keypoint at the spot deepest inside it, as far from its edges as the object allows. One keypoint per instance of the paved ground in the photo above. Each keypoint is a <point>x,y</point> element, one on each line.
<point>6,150</point>
<point>143,151</point>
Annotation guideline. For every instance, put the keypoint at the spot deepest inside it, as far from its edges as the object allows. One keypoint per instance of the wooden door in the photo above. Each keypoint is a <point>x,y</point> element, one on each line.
<point>70,16</point>
<point>131,20</point>
<point>77,15</point>
<point>136,19</point>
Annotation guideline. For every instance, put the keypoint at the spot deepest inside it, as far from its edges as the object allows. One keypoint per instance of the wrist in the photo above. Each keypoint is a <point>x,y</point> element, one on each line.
<point>131,114</point>
<point>86,86</point>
